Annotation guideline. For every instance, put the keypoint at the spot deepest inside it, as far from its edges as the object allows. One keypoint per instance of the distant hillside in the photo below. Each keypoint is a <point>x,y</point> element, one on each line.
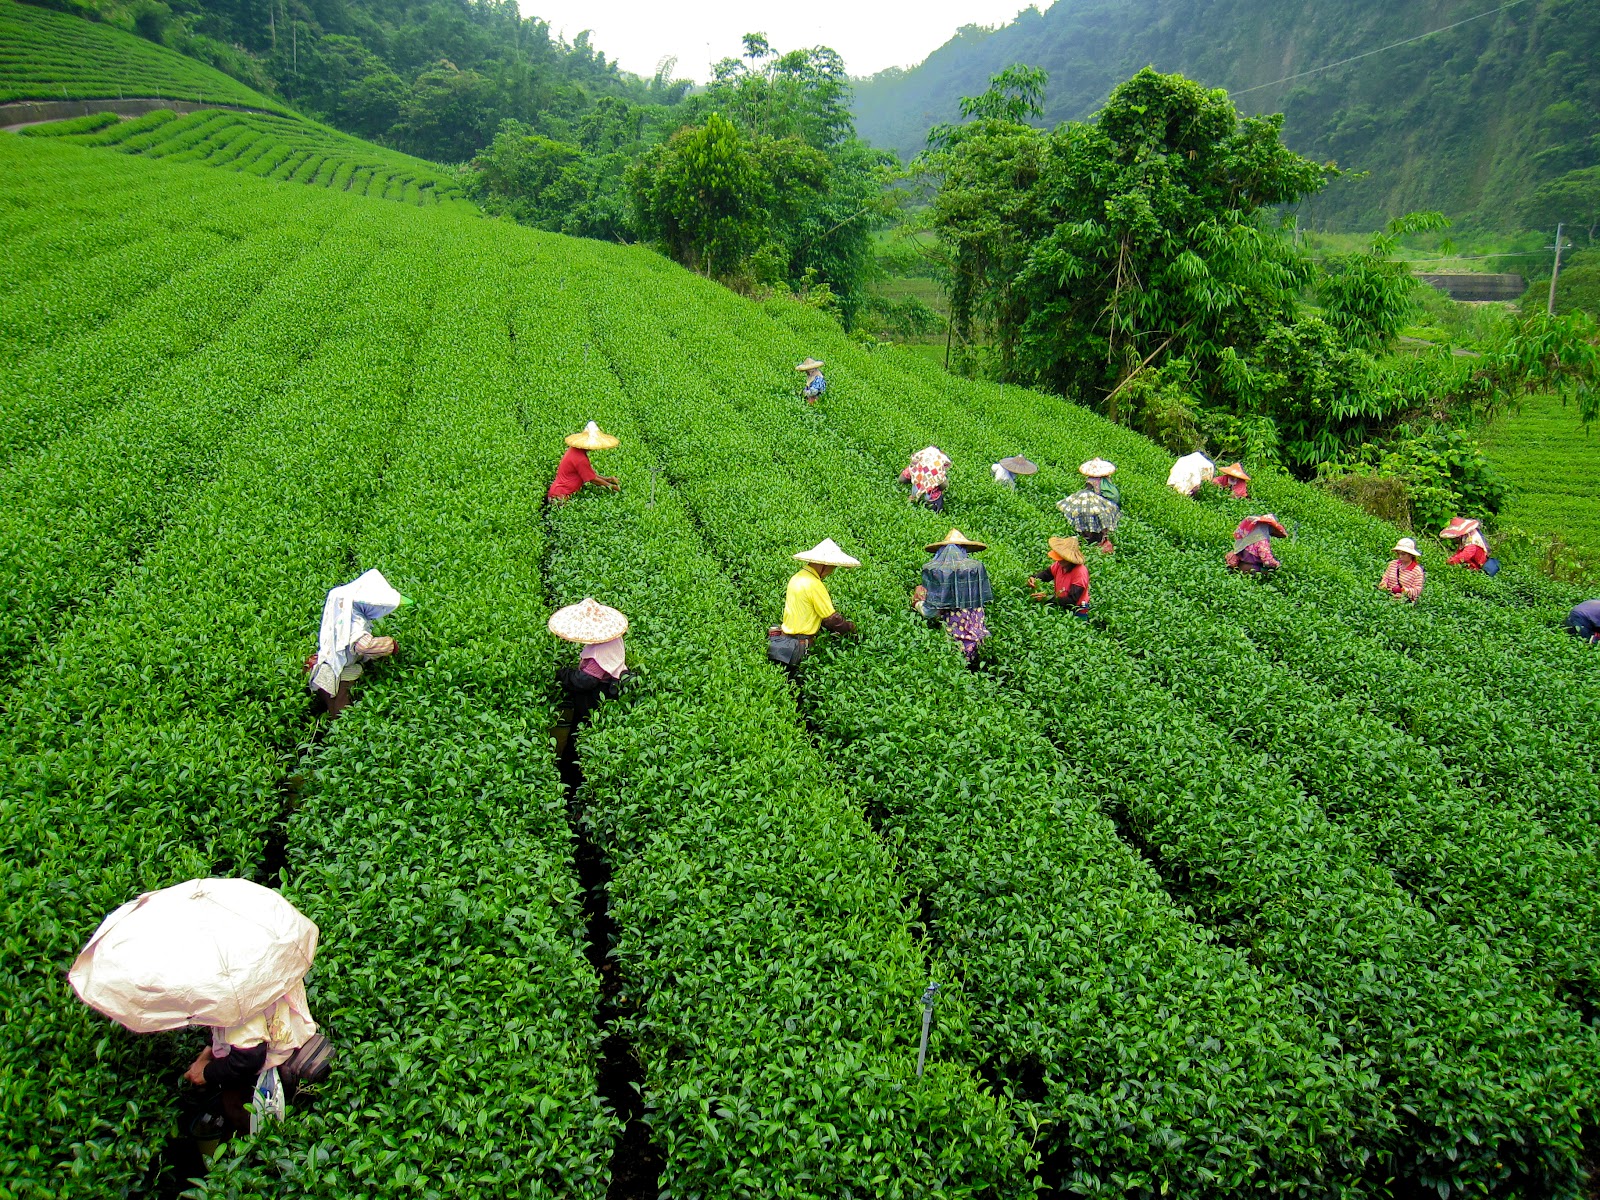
<point>1467,121</point>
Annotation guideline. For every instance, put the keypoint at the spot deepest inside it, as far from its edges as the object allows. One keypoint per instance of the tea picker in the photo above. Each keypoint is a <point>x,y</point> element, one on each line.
<point>575,471</point>
<point>1007,469</point>
<point>928,472</point>
<point>1584,621</point>
<point>1067,577</point>
<point>1092,516</point>
<point>602,663</point>
<point>815,383</point>
<point>1474,551</point>
<point>1403,577</point>
<point>954,589</point>
<point>807,606</point>
<point>1233,479</point>
<point>1252,545</point>
<point>1190,472</point>
<point>227,955</point>
<point>1097,473</point>
<point>345,640</point>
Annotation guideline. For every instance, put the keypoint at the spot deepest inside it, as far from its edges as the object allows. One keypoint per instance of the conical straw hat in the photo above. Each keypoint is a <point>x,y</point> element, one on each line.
<point>1236,471</point>
<point>956,538</point>
<point>591,439</point>
<point>1267,519</point>
<point>588,622</point>
<point>809,364</point>
<point>826,553</point>
<point>1018,465</point>
<point>1068,549</point>
<point>1459,527</point>
<point>1097,468</point>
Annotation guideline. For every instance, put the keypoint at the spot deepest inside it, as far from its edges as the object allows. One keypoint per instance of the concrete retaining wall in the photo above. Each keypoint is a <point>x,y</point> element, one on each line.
<point>1471,286</point>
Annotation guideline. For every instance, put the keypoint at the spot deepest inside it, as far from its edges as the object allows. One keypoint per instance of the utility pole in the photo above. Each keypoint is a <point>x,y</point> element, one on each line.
<point>1555,273</point>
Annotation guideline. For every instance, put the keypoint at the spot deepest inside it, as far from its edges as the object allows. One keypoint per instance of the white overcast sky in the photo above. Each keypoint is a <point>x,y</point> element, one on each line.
<point>870,34</point>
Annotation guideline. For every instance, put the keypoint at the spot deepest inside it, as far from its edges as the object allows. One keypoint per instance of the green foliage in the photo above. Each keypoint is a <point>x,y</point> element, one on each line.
<point>1470,120</point>
<point>1368,297</point>
<point>1445,474</point>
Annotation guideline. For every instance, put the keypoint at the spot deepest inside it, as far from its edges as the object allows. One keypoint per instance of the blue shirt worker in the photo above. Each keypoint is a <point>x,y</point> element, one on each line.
<point>1584,621</point>
<point>815,383</point>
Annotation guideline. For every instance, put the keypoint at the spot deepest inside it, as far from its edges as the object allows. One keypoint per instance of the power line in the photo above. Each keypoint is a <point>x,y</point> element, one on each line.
<point>1379,50</point>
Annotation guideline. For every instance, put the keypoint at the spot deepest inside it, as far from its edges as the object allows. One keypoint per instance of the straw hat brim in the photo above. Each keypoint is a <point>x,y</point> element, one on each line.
<point>956,538</point>
<point>810,364</point>
<point>1236,471</point>
<point>1018,465</point>
<point>1097,468</point>
<point>592,441</point>
<point>1272,523</point>
<point>588,623</point>
<point>1068,549</point>
<point>1460,527</point>
<point>827,554</point>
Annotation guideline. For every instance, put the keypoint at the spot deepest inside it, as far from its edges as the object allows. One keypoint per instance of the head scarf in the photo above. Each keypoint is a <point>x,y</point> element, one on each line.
<point>608,655</point>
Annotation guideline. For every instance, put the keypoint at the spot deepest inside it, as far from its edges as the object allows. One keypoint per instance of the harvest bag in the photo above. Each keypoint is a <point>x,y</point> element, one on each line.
<point>309,1063</point>
<point>787,648</point>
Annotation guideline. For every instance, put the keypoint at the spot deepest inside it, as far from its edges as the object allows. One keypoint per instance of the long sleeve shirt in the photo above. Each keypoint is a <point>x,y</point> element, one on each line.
<point>1070,580</point>
<point>1403,581</point>
<point>1470,556</point>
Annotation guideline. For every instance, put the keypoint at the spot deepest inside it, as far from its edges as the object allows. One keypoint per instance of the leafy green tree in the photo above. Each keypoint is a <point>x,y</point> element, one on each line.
<point>699,197</point>
<point>1368,297</point>
<point>445,114</point>
<point>1574,198</point>
<point>530,178</point>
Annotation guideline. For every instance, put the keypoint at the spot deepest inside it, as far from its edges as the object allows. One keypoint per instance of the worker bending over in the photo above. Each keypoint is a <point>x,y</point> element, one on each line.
<point>1067,576</point>
<point>574,471</point>
<point>1233,479</point>
<point>815,383</point>
<point>345,640</point>
<point>954,589</point>
<point>928,472</point>
<point>807,607</point>
<point>1474,551</point>
<point>1584,621</point>
<point>602,662</point>
<point>1252,545</point>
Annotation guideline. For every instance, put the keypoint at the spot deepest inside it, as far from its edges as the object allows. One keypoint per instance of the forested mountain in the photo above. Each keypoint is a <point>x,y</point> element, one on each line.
<point>431,77</point>
<point>1470,120</point>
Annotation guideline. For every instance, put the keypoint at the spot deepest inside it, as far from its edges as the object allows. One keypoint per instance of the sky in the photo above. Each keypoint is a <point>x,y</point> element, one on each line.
<point>870,34</point>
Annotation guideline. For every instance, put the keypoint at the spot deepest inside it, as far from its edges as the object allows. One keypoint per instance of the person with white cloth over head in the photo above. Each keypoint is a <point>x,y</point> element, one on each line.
<point>1189,472</point>
<point>345,640</point>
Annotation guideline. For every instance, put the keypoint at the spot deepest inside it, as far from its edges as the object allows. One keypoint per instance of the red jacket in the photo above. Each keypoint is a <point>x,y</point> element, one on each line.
<point>573,472</point>
<point>1470,556</point>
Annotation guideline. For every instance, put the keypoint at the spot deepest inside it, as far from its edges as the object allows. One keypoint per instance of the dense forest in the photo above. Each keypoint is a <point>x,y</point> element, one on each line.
<point>1469,121</point>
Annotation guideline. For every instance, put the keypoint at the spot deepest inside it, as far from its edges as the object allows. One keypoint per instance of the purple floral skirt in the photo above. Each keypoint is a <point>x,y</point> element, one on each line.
<point>967,627</point>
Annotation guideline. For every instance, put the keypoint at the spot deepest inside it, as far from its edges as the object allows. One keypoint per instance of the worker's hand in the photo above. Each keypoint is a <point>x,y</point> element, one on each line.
<point>196,1074</point>
<point>1039,595</point>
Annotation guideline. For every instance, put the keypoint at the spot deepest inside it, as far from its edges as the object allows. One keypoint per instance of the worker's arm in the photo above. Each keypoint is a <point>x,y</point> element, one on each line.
<point>834,623</point>
<point>1074,594</point>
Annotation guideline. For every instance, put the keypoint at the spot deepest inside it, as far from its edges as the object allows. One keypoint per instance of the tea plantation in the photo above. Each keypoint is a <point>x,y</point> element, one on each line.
<point>1244,886</point>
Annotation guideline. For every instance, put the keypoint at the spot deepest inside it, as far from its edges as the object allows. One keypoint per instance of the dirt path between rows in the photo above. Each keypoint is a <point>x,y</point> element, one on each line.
<point>19,114</point>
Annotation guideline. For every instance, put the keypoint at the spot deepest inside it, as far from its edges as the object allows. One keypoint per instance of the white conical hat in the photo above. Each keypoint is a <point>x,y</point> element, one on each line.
<point>1097,468</point>
<point>826,553</point>
<point>591,439</point>
<point>588,622</point>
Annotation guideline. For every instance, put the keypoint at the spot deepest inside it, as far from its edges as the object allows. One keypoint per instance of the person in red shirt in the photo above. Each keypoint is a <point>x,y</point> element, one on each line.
<point>1068,576</point>
<point>1474,550</point>
<point>1233,479</point>
<point>575,469</point>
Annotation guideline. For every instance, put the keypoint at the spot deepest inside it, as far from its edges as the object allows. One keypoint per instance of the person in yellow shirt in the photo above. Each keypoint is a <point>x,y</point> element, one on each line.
<point>807,607</point>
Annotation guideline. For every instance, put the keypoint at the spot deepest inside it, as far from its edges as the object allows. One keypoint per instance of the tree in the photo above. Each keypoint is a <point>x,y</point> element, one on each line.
<point>1574,198</point>
<point>1367,297</point>
<point>698,197</point>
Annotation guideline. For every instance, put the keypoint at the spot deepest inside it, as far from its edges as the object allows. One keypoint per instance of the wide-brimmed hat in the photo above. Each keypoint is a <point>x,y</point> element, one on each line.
<point>588,622</point>
<point>1236,471</point>
<point>1407,546</point>
<point>809,364</point>
<point>956,538</point>
<point>1459,527</point>
<point>826,553</point>
<point>1018,465</point>
<point>1067,548</point>
<point>1267,519</point>
<point>1097,468</point>
<point>591,439</point>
